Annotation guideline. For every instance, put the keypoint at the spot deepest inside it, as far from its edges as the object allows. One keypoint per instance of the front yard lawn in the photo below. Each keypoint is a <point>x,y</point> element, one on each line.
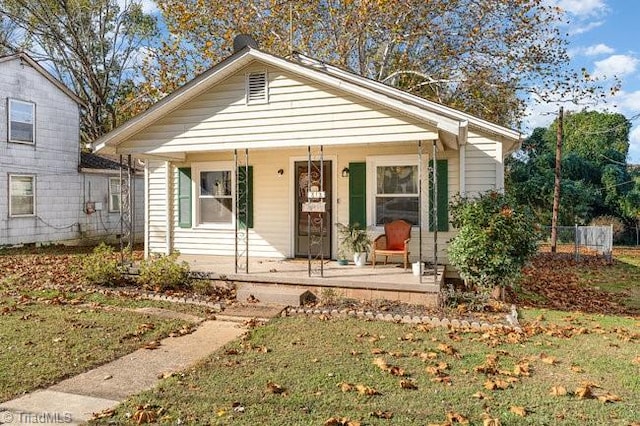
<point>570,369</point>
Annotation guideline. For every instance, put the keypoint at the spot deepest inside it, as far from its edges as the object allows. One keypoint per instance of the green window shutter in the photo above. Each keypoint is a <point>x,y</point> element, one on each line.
<point>358,193</point>
<point>442,171</point>
<point>184,197</point>
<point>245,186</point>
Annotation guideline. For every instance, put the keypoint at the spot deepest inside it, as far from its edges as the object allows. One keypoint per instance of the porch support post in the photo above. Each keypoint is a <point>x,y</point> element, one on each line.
<point>241,230</point>
<point>315,219</point>
<point>126,210</point>
<point>434,209</point>
<point>420,218</point>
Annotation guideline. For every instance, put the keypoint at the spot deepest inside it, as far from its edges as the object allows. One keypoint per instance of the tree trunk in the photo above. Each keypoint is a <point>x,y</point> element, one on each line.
<point>556,186</point>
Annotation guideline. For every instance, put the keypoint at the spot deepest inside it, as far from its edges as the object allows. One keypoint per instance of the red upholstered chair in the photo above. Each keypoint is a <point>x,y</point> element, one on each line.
<point>394,241</point>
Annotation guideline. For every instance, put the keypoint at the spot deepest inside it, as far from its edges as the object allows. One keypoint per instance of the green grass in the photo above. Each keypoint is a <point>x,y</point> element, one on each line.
<point>621,278</point>
<point>42,342</point>
<point>311,358</point>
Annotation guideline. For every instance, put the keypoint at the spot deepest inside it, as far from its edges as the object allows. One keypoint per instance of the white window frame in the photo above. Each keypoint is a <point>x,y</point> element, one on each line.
<point>248,99</point>
<point>10,138</point>
<point>373,162</point>
<point>212,166</point>
<point>34,182</point>
<point>112,208</point>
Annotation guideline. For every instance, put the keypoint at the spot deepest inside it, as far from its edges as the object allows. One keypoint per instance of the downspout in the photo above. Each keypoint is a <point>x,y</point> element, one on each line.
<point>167,165</point>
<point>146,209</point>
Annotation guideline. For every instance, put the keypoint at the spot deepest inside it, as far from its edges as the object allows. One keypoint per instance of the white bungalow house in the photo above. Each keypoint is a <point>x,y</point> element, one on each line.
<point>49,192</point>
<point>275,120</point>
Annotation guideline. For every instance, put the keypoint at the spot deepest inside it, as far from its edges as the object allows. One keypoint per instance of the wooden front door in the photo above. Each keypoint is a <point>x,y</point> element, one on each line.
<point>318,223</point>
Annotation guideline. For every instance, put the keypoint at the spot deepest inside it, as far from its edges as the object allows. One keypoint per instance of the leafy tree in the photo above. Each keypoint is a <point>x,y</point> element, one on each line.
<point>496,238</point>
<point>595,175</point>
<point>478,56</point>
<point>92,46</point>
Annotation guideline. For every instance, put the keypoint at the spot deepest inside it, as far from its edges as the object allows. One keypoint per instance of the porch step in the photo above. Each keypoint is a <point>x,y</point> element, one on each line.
<point>273,294</point>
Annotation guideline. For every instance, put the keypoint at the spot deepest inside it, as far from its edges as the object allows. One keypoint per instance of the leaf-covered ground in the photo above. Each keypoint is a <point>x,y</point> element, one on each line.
<point>592,284</point>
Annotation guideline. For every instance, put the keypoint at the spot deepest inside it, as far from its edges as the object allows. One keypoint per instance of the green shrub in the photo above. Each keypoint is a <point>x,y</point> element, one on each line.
<point>162,272</point>
<point>495,240</point>
<point>102,266</point>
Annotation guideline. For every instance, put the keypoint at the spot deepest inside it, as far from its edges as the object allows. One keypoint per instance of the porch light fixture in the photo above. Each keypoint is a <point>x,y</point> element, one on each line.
<point>280,172</point>
<point>345,172</point>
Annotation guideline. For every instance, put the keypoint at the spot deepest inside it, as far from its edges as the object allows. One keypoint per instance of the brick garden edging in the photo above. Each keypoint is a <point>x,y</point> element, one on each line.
<point>511,318</point>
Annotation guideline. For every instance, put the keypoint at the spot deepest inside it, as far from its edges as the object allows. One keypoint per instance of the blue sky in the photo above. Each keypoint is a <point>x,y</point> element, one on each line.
<point>604,38</point>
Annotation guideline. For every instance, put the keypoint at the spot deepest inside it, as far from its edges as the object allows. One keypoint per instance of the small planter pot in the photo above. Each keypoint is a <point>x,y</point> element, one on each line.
<point>343,262</point>
<point>360,259</point>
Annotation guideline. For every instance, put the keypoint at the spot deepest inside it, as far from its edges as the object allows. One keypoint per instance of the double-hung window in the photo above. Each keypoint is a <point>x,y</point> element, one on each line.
<point>395,189</point>
<point>22,195</point>
<point>22,118</point>
<point>214,197</point>
<point>114,194</point>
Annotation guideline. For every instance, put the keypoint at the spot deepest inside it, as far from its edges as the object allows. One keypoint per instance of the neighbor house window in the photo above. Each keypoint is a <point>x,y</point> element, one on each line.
<point>114,194</point>
<point>395,183</point>
<point>22,195</point>
<point>21,121</point>
<point>214,194</point>
<point>257,88</point>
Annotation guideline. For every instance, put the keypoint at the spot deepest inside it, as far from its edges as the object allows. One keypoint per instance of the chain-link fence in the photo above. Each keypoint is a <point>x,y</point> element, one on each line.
<point>584,239</point>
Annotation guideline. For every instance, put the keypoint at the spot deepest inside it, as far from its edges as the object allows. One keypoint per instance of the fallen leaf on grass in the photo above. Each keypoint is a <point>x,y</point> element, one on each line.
<point>609,397</point>
<point>382,414</point>
<point>366,390</point>
<point>636,360</point>
<point>558,391</point>
<point>345,387</point>
<point>576,369</point>
<point>495,384</point>
<point>274,388</point>
<point>341,421</point>
<point>548,359</point>
<point>479,395</point>
<point>454,417</point>
<point>585,391</point>
<point>144,414</point>
<point>518,410</point>
<point>407,384</point>
<point>447,349</point>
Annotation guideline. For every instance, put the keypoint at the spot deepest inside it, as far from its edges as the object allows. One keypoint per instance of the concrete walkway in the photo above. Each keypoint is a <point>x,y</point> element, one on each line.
<point>73,401</point>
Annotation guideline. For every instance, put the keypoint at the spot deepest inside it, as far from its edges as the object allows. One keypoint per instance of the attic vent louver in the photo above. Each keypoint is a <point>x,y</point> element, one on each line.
<point>257,91</point>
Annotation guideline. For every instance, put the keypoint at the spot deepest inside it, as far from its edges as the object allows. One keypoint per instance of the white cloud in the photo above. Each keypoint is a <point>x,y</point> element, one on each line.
<point>615,65</point>
<point>584,27</point>
<point>598,49</point>
<point>634,145</point>
<point>583,7</point>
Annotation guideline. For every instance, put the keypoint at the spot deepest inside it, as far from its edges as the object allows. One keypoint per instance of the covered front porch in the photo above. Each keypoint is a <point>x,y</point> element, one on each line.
<point>390,282</point>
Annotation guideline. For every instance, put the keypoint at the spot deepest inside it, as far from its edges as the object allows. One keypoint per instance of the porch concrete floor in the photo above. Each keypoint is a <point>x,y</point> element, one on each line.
<point>389,281</point>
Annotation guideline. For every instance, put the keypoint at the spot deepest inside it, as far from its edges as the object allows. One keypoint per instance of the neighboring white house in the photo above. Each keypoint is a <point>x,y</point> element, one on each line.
<point>282,112</point>
<point>44,194</point>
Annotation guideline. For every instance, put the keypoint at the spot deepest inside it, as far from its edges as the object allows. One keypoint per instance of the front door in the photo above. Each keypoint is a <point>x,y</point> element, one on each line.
<point>320,222</point>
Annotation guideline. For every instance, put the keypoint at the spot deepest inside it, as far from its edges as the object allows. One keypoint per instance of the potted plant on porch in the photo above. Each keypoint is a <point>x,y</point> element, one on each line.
<point>356,240</point>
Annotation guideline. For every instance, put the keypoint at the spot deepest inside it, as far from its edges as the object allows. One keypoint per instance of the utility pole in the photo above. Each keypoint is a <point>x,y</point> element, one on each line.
<point>556,186</point>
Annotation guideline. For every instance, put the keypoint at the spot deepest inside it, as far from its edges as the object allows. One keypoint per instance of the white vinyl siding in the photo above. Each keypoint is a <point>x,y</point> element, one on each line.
<point>480,162</point>
<point>157,207</point>
<point>22,195</point>
<point>299,113</point>
<point>271,234</point>
<point>21,121</point>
